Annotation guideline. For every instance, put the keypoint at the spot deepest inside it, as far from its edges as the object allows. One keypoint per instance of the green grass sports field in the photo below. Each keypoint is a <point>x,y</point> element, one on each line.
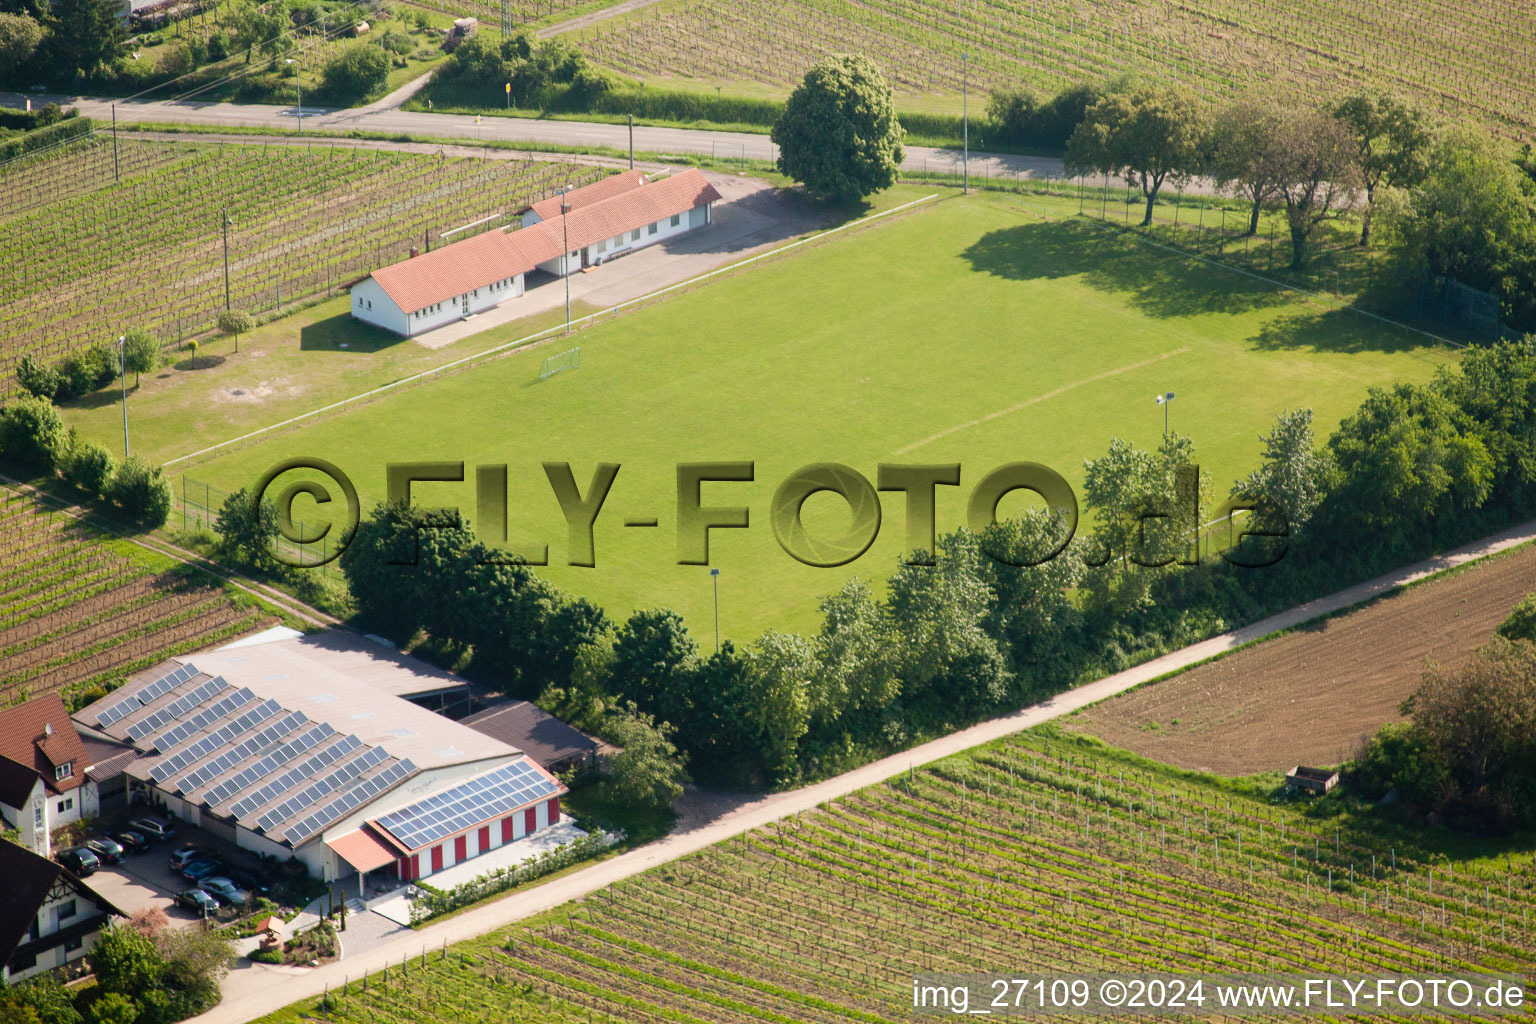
<point>970,329</point>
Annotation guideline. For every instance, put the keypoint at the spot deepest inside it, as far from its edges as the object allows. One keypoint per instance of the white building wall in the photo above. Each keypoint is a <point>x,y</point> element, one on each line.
<point>49,922</point>
<point>665,229</point>
<point>371,305</point>
<point>31,820</point>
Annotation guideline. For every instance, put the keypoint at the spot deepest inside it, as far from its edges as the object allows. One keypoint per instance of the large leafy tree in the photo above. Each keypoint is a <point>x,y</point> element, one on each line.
<point>652,660</point>
<point>247,533</point>
<point>1240,152</point>
<point>1294,474</point>
<point>20,35</point>
<point>838,133</point>
<point>647,773</point>
<point>1151,135</point>
<point>1392,146</point>
<point>1317,173</point>
<point>355,73</point>
<point>84,35</point>
<point>854,677</point>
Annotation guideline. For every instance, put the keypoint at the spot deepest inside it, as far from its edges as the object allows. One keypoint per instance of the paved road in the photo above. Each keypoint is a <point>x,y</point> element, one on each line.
<point>255,990</point>
<point>386,117</point>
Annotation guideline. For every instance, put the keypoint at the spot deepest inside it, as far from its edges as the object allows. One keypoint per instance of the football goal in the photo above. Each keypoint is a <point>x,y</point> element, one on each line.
<point>568,360</point>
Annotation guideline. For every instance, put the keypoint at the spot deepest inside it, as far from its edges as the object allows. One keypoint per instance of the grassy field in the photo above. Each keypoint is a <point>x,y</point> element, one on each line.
<point>96,238</point>
<point>80,610</point>
<point>970,330</point>
<point>1455,63</point>
<point>1035,854</point>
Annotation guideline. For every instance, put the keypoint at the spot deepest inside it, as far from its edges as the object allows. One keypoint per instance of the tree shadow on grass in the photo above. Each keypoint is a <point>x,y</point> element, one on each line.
<point>1163,284</point>
<point>342,333</point>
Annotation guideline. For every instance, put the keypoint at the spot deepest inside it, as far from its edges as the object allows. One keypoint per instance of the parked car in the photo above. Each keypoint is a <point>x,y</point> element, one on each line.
<point>107,850</point>
<point>197,870</point>
<point>79,860</point>
<point>157,830</point>
<point>224,890</point>
<point>249,880</point>
<point>132,842</point>
<point>197,901</point>
<point>186,854</point>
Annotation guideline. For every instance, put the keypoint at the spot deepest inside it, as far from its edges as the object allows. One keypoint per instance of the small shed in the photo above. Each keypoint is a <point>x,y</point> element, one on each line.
<point>360,28</point>
<point>543,737</point>
<point>1312,780</point>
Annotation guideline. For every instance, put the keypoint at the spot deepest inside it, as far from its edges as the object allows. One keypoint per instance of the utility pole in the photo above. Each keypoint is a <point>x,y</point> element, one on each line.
<point>965,116</point>
<point>224,216</point>
<point>115,174</point>
<point>631,141</point>
<point>565,257</point>
<point>714,574</point>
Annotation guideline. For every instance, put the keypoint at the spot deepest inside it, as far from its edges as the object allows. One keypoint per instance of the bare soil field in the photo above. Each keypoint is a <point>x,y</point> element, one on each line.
<point>1309,697</point>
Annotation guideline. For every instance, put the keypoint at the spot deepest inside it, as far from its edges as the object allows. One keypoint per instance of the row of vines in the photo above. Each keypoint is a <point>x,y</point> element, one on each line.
<point>77,617</point>
<point>1036,854</point>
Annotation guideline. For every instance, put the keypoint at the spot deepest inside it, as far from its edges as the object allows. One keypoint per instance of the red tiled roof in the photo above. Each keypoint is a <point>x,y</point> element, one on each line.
<point>452,270</point>
<point>618,184</point>
<point>622,213</point>
<point>23,738</point>
<point>364,849</point>
<point>476,262</point>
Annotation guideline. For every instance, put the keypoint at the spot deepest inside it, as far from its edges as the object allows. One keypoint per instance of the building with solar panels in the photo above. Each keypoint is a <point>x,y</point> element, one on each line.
<point>288,756</point>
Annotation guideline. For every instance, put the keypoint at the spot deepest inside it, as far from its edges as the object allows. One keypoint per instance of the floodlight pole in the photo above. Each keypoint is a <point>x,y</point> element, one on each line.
<point>224,217</point>
<point>714,574</point>
<point>965,117</point>
<point>631,141</point>
<point>565,256</point>
<point>115,175</point>
<point>122,366</point>
<point>1164,400</point>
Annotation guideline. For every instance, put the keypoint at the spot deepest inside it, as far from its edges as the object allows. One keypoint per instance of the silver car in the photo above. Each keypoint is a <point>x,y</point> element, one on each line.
<point>226,891</point>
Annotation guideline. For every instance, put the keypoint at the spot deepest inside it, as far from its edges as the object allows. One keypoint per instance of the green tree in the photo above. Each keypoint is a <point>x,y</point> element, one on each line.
<point>235,322</point>
<point>786,669</point>
<point>1033,615</point>
<point>1317,173</point>
<point>39,1000</point>
<point>1392,146</point>
<point>84,36</point>
<point>20,35</point>
<point>652,660</point>
<point>838,134</point>
<point>142,492</point>
<point>647,772</point>
<point>1151,135</point>
<point>126,962</point>
<point>141,352</point>
<point>38,379</point>
<point>1240,152</point>
<point>854,676</point>
<point>247,534</point>
<point>31,433</point>
<point>1521,623</point>
<point>113,1008</point>
<point>1495,385</point>
<point>1400,757</point>
<point>355,73</point>
<point>254,28</point>
<point>87,466</point>
<point>1294,474</point>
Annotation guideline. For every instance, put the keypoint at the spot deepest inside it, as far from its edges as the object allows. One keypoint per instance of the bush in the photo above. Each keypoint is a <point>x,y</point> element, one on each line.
<point>31,433</point>
<point>432,902</point>
<point>266,956</point>
<point>142,492</point>
<point>88,467</point>
<point>37,380</point>
<point>396,41</point>
<point>355,73</point>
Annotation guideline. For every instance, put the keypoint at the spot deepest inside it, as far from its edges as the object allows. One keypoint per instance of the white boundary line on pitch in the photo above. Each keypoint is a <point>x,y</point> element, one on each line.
<point>532,337</point>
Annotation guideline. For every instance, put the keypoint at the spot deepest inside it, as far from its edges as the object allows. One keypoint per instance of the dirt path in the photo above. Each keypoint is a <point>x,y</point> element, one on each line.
<point>255,990</point>
<point>1310,697</point>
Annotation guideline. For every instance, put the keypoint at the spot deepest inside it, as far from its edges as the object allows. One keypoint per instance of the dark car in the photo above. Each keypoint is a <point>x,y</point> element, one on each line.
<point>197,901</point>
<point>249,881</point>
<point>132,842</point>
<point>184,855</point>
<point>156,830</point>
<point>224,890</point>
<point>78,860</point>
<point>197,870</point>
<point>108,851</point>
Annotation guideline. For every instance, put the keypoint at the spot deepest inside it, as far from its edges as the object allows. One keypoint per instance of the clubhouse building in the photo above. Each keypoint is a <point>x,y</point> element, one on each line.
<point>600,222</point>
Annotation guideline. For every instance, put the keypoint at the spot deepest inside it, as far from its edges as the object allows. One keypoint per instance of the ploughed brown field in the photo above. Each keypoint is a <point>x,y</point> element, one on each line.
<point>1311,696</point>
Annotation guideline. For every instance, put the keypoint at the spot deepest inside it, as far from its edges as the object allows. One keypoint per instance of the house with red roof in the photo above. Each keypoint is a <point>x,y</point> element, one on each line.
<point>43,766</point>
<point>562,234</point>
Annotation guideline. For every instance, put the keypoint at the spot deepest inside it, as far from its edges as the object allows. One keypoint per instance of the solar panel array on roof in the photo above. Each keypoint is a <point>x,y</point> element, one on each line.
<point>323,787</point>
<point>271,762</point>
<point>465,806</point>
<point>138,699</point>
<point>191,727</point>
<point>214,740</point>
<point>297,775</point>
<point>227,760</point>
<point>350,800</point>
<point>176,708</point>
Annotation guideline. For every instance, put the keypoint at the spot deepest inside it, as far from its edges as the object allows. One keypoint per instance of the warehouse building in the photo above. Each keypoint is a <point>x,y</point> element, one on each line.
<point>602,221</point>
<point>283,751</point>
